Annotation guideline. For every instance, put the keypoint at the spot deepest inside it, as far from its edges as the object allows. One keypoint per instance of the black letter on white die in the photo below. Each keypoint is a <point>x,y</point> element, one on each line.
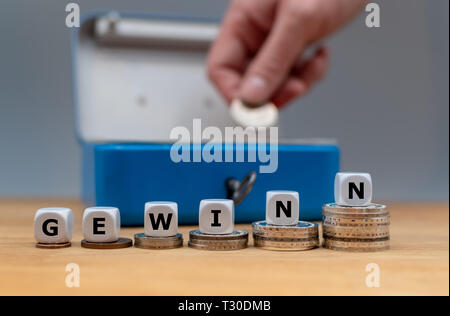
<point>287,211</point>
<point>216,218</point>
<point>98,225</point>
<point>53,230</point>
<point>160,220</point>
<point>353,188</point>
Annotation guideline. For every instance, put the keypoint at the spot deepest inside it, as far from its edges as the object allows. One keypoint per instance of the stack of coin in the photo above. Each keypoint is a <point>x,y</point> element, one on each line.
<point>238,239</point>
<point>356,228</point>
<point>302,236</point>
<point>147,242</point>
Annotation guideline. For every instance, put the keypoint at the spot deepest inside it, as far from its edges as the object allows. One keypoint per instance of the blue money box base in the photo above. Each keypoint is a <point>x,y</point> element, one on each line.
<point>128,175</point>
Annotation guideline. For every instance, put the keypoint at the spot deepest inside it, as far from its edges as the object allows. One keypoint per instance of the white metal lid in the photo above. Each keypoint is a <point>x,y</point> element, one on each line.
<point>137,78</point>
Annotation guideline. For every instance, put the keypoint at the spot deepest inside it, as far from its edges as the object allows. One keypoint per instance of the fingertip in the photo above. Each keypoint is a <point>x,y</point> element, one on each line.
<point>254,90</point>
<point>316,68</point>
<point>323,58</point>
<point>324,51</point>
<point>291,90</point>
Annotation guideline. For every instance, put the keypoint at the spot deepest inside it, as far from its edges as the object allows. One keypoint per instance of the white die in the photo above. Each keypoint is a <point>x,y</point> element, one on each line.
<point>216,216</point>
<point>101,224</point>
<point>282,207</point>
<point>53,225</point>
<point>353,189</point>
<point>161,219</point>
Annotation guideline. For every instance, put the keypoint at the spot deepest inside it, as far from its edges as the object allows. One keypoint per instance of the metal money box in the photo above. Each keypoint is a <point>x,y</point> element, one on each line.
<point>136,78</point>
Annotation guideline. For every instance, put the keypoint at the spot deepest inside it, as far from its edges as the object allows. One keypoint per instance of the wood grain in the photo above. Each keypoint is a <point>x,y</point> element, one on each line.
<point>417,264</point>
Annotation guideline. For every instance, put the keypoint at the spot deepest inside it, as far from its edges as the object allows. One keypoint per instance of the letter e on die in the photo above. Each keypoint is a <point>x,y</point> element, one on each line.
<point>101,224</point>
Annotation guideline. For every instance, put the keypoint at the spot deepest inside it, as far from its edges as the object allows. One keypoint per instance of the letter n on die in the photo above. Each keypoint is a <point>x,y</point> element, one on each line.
<point>353,189</point>
<point>282,207</point>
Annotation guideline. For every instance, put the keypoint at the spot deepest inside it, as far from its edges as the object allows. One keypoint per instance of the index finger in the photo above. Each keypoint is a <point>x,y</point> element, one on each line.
<point>227,58</point>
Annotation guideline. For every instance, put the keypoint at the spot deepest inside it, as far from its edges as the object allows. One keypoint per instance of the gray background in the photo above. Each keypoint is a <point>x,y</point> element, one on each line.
<point>385,99</point>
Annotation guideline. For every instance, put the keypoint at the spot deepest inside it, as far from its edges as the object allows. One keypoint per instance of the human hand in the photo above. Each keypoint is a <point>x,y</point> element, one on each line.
<point>257,55</point>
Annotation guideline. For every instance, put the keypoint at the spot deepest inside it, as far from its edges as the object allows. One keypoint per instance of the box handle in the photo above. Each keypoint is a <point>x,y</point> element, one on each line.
<point>238,191</point>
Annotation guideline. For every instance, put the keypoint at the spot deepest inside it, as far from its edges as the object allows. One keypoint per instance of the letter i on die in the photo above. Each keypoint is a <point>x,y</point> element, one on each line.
<point>161,219</point>
<point>282,208</point>
<point>353,189</point>
<point>101,224</point>
<point>53,225</point>
<point>216,216</point>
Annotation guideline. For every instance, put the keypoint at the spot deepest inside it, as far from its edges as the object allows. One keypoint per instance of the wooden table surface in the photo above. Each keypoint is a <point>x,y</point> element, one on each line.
<point>417,264</point>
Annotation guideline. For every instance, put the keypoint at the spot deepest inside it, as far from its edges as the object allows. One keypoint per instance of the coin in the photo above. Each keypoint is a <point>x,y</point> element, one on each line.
<point>234,241</point>
<point>53,246</point>
<point>357,222</point>
<point>300,230</point>
<point>356,245</point>
<point>120,244</point>
<point>357,249</point>
<point>355,232</point>
<point>357,228</point>
<point>158,243</point>
<point>286,244</point>
<point>371,210</point>
<point>218,246</point>
<point>235,235</point>
<point>265,115</point>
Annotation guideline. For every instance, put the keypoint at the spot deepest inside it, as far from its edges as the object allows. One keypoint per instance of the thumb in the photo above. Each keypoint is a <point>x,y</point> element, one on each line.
<point>274,61</point>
